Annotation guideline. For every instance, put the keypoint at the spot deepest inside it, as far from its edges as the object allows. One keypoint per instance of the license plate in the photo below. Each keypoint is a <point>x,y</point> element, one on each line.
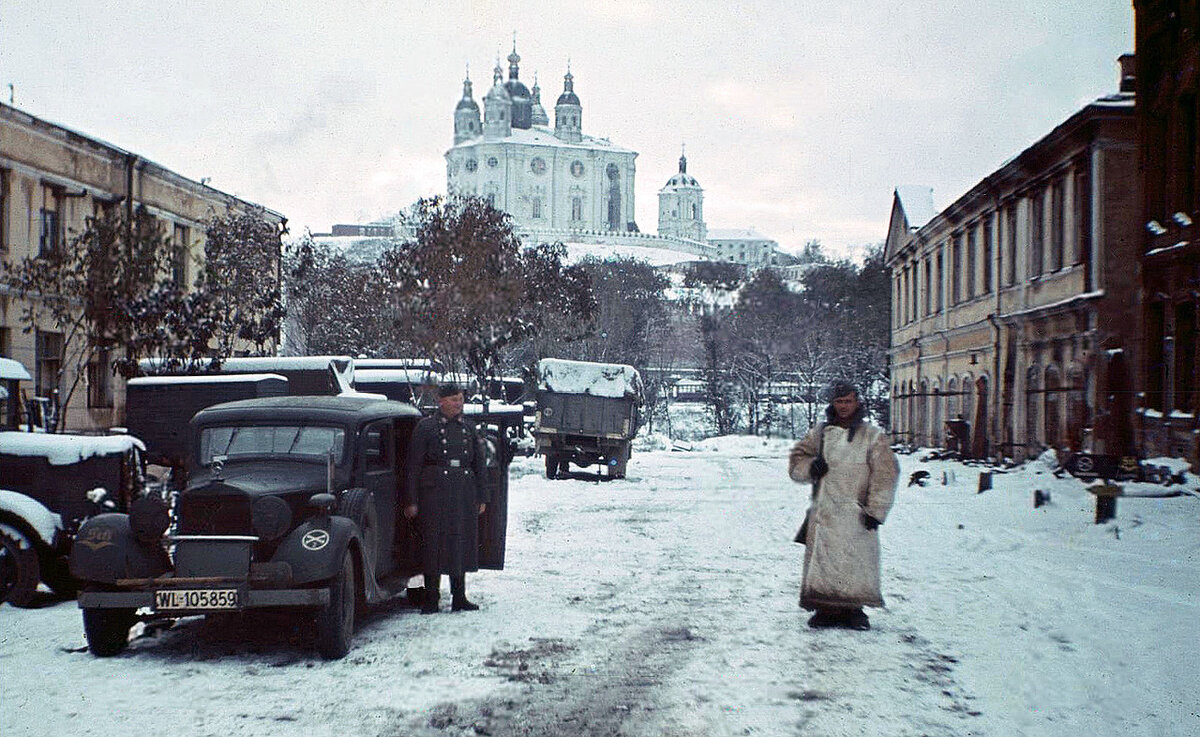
<point>196,599</point>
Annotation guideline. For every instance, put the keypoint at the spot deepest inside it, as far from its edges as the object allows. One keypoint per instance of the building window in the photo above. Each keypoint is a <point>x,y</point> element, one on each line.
<point>928,287</point>
<point>1010,245</point>
<point>1057,225</point>
<point>695,216</point>
<point>179,256</point>
<point>1032,395</point>
<point>987,254</point>
<point>938,288</point>
<point>1037,245</point>
<point>3,211</point>
<point>1053,403</point>
<point>50,238</point>
<point>48,349</point>
<point>916,291</point>
<point>100,393</point>
<point>1156,355</point>
<point>1185,358</point>
<point>972,265</point>
<point>1083,214</point>
<point>576,209</point>
<point>537,208</point>
<point>956,266</point>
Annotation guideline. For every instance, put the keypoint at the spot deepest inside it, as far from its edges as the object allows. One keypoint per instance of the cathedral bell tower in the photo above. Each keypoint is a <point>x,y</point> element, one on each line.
<point>497,108</point>
<point>466,115</point>
<point>681,206</point>
<point>568,112</point>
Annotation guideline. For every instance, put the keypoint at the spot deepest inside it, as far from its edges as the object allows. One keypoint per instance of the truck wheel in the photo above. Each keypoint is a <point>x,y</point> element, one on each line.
<point>551,465</point>
<point>107,630</point>
<point>335,623</point>
<point>19,572</point>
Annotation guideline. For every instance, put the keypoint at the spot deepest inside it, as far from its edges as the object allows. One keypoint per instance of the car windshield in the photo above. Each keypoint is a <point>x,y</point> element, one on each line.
<point>274,440</point>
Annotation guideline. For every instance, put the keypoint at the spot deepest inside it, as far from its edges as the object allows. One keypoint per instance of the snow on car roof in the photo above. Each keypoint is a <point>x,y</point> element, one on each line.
<point>584,377</point>
<point>10,369</point>
<point>407,376</point>
<point>63,450</point>
<point>202,379</point>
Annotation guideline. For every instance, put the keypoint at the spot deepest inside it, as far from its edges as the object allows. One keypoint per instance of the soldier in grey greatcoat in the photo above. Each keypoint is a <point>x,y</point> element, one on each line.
<point>446,491</point>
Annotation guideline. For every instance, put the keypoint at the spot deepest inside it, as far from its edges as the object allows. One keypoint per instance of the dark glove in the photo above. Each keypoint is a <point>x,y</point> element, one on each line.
<point>818,468</point>
<point>870,522</point>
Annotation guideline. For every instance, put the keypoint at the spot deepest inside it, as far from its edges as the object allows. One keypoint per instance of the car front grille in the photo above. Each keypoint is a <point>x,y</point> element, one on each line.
<point>215,515</point>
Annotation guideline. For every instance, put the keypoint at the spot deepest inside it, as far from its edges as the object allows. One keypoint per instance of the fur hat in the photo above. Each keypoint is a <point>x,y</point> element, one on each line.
<point>840,388</point>
<point>448,390</point>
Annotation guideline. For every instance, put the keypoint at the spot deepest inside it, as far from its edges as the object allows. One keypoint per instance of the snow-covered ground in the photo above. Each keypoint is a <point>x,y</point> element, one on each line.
<point>666,604</point>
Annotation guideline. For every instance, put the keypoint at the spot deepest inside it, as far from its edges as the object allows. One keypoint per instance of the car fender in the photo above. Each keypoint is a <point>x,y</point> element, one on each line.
<point>46,525</point>
<point>314,549</point>
<point>105,550</point>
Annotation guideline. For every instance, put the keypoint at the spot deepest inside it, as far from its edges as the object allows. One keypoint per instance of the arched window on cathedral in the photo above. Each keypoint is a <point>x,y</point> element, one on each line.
<point>537,207</point>
<point>694,212</point>
<point>576,209</point>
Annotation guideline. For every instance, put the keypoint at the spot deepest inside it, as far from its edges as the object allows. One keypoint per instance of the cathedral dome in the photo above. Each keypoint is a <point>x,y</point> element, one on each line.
<point>467,103</point>
<point>681,178</point>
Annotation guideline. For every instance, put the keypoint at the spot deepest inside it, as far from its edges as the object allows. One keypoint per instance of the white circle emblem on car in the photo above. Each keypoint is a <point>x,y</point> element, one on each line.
<point>315,539</point>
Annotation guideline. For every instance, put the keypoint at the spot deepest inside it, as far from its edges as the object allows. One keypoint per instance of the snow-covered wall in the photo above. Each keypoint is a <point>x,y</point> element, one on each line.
<point>583,377</point>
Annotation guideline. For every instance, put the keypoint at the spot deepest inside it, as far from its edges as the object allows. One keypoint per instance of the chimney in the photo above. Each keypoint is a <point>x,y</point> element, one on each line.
<point>1128,73</point>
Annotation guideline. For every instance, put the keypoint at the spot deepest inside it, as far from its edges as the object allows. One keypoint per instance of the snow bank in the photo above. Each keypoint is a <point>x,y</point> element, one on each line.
<point>582,377</point>
<point>63,450</point>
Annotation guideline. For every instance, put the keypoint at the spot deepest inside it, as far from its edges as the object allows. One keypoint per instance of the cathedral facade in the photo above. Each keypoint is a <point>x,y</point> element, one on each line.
<point>545,178</point>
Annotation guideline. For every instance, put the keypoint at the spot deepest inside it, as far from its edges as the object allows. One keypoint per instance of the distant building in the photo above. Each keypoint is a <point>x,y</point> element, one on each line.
<point>545,178</point>
<point>681,206</point>
<point>1167,69</point>
<point>1015,306</point>
<point>51,180</point>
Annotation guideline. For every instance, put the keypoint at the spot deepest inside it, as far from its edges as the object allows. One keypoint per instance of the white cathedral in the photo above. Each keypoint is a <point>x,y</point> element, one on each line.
<point>545,178</point>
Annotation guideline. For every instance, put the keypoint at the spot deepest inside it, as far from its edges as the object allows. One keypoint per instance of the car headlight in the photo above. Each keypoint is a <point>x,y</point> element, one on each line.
<point>149,518</point>
<point>271,516</point>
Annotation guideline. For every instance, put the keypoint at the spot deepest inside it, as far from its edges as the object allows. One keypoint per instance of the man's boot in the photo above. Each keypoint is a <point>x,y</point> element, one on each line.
<point>823,618</point>
<point>458,595</point>
<point>856,619</point>
<point>429,603</point>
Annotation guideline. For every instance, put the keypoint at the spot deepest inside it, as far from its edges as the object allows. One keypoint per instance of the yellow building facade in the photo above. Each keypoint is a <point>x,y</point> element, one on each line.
<point>52,179</point>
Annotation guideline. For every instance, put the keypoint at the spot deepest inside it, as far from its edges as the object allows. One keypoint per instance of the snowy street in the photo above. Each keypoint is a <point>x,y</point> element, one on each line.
<point>666,604</point>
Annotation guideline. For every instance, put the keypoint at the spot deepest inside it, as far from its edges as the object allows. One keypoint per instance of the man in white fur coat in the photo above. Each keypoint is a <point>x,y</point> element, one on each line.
<point>854,474</point>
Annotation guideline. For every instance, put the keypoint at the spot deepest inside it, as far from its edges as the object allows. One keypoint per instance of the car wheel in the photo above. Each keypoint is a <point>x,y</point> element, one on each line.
<point>335,622</point>
<point>19,572</point>
<point>58,576</point>
<point>551,465</point>
<point>359,506</point>
<point>107,630</point>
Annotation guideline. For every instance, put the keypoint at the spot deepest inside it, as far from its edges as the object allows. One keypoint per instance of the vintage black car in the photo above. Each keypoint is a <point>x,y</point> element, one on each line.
<point>290,502</point>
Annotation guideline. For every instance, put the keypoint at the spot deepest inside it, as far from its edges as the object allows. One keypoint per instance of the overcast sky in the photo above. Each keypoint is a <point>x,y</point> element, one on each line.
<point>800,116</point>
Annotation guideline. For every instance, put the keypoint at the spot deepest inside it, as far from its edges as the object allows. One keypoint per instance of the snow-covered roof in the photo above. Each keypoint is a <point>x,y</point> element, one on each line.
<point>263,364</point>
<point>917,201</point>
<point>735,234</point>
<point>201,379</point>
<point>577,252</point>
<point>405,376</point>
<point>584,377</point>
<point>543,136</point>
<point>10,369</point>
<point>63,450</point>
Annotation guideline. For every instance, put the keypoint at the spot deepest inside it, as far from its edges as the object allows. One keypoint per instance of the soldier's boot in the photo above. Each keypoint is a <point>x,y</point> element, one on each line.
<point>823,618</point>
<point>429,602</point>
<point>458,595</point>
<point>856,619</point>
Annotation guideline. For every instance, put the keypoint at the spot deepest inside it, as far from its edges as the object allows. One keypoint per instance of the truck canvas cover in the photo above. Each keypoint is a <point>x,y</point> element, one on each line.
<point>613,380</point>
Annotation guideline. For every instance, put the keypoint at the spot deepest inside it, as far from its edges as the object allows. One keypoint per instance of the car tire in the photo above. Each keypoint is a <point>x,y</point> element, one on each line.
<point>551,465</point>
<point>107,630</point>
<point>335,622</point>
<point>57,575</point>
<point>358,505</point>
<point>19,570</point>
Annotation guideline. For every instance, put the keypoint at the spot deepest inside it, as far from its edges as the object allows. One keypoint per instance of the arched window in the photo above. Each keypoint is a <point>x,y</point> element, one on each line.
<point>1053,405</point>
<point>952,410</point>
<point>937,425</point>
<point>1078,416</point>
<point>1033,396</point>
<point>923,401</point>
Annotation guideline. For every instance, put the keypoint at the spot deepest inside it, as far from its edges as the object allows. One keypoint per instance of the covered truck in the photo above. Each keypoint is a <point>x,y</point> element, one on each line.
<point>587,413</point>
